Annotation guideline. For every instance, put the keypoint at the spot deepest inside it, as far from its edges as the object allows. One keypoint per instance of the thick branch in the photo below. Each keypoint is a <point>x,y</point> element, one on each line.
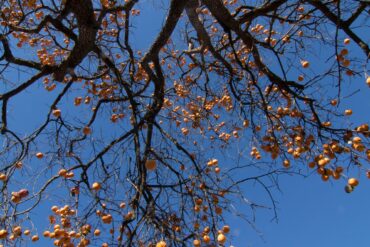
<point>344,25</point>
<point>85,43</point>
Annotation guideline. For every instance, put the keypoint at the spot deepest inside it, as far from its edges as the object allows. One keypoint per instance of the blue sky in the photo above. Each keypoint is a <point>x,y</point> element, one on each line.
<point>312,212</point>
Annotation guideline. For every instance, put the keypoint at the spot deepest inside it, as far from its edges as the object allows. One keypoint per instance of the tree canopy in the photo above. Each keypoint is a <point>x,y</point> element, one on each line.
<point>137,146</point>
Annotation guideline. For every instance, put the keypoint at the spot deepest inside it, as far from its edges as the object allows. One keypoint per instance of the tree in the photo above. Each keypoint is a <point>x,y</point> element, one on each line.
<point>129,149</point>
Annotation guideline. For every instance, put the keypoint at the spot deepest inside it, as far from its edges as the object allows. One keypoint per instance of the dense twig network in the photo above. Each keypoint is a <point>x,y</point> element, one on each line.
<point>131,149</point>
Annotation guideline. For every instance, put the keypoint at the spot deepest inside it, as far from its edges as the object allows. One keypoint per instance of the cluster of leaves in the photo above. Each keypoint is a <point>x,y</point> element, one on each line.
<point>129,150</point>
